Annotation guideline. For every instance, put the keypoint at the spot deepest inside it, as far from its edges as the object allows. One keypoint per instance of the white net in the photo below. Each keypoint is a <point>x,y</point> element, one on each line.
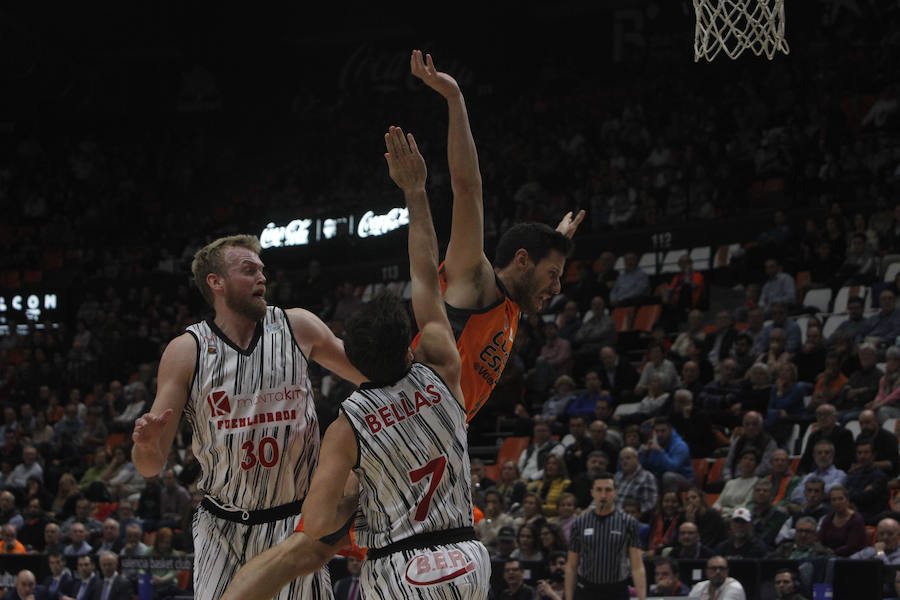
<point>732,26</point>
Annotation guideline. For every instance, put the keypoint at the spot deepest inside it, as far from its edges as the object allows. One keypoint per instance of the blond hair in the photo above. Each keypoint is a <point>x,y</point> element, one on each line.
<point>211,259</point>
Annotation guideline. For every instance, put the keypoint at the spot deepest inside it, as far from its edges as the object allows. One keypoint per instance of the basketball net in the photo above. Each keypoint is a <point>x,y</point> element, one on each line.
<point>732,26</point>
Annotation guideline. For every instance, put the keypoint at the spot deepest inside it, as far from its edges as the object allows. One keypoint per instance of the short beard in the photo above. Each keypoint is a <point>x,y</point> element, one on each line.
<point>522,291</point>
<point>249,309</point>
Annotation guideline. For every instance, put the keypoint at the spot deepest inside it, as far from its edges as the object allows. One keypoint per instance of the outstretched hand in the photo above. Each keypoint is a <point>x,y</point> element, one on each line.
<point>442,83</point>
<point>149,427</point>
<point>405,164</point>
<point>569,224</point>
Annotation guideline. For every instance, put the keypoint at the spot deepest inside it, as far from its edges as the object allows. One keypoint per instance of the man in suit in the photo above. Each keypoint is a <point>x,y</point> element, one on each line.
<point>347,588</point>
<point>80,587</point>
<point>60,580</point>
<point>111,585</point>
<point>27,588</point>
<point>617,376</point>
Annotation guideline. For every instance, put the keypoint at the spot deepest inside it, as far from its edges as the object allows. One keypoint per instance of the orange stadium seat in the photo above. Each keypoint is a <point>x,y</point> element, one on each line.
<point>511,449</point>
<point>622,317</point>
<point>114,439</point>
<point>646,318</point>
<point>701,466</point>
<point>492,471</point>
<point>715,470</point>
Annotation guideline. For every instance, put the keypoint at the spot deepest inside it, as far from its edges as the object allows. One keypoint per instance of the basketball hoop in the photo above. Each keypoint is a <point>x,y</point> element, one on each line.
<point>732,26</point>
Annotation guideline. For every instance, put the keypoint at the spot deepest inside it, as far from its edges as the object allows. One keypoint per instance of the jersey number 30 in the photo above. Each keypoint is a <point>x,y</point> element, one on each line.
<point>250,459</point>
<point>434,467</point>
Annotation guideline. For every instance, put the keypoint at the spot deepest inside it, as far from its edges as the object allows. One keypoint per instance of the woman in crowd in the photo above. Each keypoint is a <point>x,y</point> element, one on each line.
<point>121,477</point>
<point>96,470</point>
<point>165,581</point>
<point>710,524</point>
<point>510,485</point>
<point>551,486</point>
<point>552,539</point>
<point>843,530</point>
<point>755,390</point>
<point>43,433</point>
<point>664,524</point>
<point>530,513</point>
<point>528,544</point>
<point>566,514</point>
<point>495,517</point>
<point>885,403</point>
<point>67,492</point>
<point>738,491</point>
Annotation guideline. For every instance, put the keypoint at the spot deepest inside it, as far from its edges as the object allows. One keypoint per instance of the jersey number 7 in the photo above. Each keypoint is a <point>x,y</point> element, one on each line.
<point>435,467</point>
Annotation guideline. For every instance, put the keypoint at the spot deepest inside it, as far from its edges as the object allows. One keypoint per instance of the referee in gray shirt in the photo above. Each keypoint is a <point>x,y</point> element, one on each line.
<point>598,565</point>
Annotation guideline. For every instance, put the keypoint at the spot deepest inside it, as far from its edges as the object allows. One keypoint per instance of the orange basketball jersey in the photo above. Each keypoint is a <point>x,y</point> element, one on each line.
<point>484,338</point>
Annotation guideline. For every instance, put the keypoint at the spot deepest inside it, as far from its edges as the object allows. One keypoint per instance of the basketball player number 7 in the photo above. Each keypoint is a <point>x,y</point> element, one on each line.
<point>435,468</point>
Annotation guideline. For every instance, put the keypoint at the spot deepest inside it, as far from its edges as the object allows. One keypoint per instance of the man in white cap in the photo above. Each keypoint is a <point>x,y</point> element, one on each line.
<point>741,543</point>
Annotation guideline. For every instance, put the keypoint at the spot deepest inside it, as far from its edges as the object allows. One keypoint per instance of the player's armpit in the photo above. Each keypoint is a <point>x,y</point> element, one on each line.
<point>321,345</point>
<point>437,348</point>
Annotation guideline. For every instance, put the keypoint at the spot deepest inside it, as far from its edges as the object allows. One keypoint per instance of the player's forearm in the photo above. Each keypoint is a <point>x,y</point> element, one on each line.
<point>267,573</point>
<point>639,578</point>
<point>571,574</point>
<point>148,459</point>
<point>423,251</point>
<point>462,156</point>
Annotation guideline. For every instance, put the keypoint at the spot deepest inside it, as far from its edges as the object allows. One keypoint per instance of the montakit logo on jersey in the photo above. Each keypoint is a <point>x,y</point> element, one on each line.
<point>430,568</point>
<point>219,405</point>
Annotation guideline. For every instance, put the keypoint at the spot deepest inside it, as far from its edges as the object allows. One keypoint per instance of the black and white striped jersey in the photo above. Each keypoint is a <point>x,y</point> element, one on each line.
<point>413,462</point>
<point>253,415</point>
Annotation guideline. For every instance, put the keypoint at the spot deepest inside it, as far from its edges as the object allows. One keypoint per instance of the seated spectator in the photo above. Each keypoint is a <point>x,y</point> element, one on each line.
<point>883,327</point>
<point>95,471</point>
<point>617,376</point>
<point>829,383</point>
<point>651,405</point>
<point>632,284</point>
<point>10,544</point>
<point>552,539</point>
<point>664,524</point>
<point>85,579</point>
<point>506,544</point>
<point>685,292</point>
<point>134,546</point>
<point>78,535</point>
<point>785,402</point>
<point>826,428</point>
<point>739,489</point>
<point>510,485</point>
<point>860,265</point>
<point>32,532</point>
<point>811,357</point>
<point>855,320</point>
<point>867,484</point>
<point>752,437</point>
<point>577,444</point>
<point>515,588</point>
<point>755,390</point>
<point>124,513</point>
<point>688,544</point>
<point>779,287</point>
<point>532,459</point>
<point>782,479</point>
<point>549,488</point>
<point>480,480</point>
<point>719,343</point>
<point>555,359</point>
<point>742,354</point>
<point>597,330</point>
<point>110,540</point>
<point>756,324</point>
<point>53,539</point>
<point>693,331</point>
<point>568,321</point>
<point>94,433</point>
<point>767,520</point>
<point>694,427</point>
<point>633,482</point>
<point>70,423</point>
<point>776,355</point>
<point>710,524</point>
<point>556,405</point>
<point>582,483</point>
<point>60,581</point>
<point>9,514</point>
<point>566,514</point>
<point>885,402</point>
<point>719,586</point>
<point>720,394</point>
<point>825,469</point>
<point>862,386</point>
<point>530,512</point>
<point>554,587</point>
<point>690,378</point>
<point>83,510</point>
<point>887,546</point>
<point>29,467</point>
<point>843,530</point>
<point>164,580</point>
<point>585,288</point>
<point>657,365</point>
<point>136,394</point>
<point>814,506</point>
<point>583,404</point>
<point>742,543</point>
<point>887,456</point>
<point>602,439</point>
<point>666,579</point>
<point>667,456</point>
<point>528,548</point>
<point>495,518</point>
<point>26,589</point>
<point>67,493</point>
<point>780,321</point>
<point>804,545</point>
<point>121,477</point>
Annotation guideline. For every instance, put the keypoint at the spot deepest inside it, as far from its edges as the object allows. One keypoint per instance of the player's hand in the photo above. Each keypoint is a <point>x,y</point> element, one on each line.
<point>569,224</point>
<point>149,427</point>
<point>442,83</point>
<point>405,165</point>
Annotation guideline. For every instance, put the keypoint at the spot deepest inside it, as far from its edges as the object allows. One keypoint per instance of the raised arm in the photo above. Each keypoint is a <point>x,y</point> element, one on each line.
<point>154,431</point>
<point>437,346</point>
<point>465,258</point>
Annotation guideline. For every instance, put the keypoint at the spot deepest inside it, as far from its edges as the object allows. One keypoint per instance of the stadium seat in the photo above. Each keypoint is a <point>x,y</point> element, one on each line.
<point>648,263</point>
<point>622,317</point>
<point>711,499</point>
<point>114,439</point>
<point>795,463</point>
<point>701,257</point>
<point>891,425</point>
<point>511,449</point>
<point>670,262</point>
<point>646,318</point>
<point>492,472</point>
<point>819,298</point>
<point>809,431</point>
<point>853,427</point>
<point>715,470</point>
<point>840,301</point>
<point>701,466</point>
<point>571,275</point>
<point>892,271</point>
<point>792,440</point>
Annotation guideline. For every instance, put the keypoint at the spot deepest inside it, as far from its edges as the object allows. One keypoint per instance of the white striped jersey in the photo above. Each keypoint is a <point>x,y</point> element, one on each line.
<point>253,415</point>
<point>413,463</point>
